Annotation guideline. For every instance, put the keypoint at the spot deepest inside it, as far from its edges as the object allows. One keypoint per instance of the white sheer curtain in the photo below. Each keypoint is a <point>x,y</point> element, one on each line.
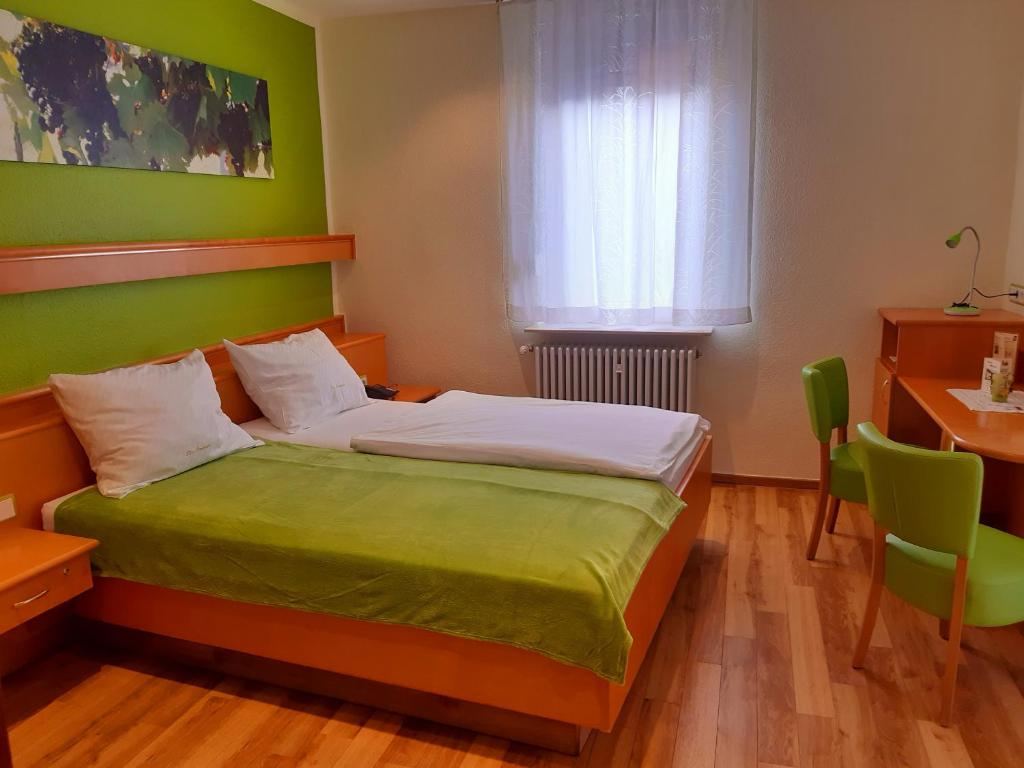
<point>628,159</point>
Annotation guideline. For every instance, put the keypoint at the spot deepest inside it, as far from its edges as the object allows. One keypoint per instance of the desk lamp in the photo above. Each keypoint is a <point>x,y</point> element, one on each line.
<point>964,308</point>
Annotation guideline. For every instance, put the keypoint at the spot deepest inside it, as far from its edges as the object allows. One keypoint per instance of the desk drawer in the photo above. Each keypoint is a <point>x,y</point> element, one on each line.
<point>43,591</point>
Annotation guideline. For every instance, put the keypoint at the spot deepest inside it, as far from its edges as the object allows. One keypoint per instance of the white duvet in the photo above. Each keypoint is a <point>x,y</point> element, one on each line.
<point>603,439</point>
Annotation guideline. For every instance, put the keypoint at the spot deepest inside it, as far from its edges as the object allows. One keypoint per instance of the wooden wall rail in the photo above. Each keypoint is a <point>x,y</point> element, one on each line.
<point>43,268</point>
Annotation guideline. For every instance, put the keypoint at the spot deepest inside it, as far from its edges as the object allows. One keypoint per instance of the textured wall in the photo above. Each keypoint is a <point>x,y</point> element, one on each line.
<point>413,145</point>
<point>90,328</point>
<point>882,127</point>
<point>1015,251</point>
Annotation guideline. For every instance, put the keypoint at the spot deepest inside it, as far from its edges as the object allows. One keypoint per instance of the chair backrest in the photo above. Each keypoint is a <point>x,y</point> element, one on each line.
<point>928,498</point>
<point>828,396</point>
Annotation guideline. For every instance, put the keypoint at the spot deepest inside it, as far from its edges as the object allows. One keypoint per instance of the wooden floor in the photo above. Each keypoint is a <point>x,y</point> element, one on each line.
<point>750,668</point>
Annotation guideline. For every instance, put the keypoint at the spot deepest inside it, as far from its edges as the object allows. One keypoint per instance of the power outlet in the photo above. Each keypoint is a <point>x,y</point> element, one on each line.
<point>1019,298</point>
<point>7,510</point>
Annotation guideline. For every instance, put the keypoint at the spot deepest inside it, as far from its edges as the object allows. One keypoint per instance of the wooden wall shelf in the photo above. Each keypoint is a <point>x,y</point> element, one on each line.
<point>44,268</point>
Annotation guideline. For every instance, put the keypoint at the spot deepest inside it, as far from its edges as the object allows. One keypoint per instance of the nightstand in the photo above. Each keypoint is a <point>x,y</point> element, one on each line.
<point>415,394</point>
<point>38,571</point>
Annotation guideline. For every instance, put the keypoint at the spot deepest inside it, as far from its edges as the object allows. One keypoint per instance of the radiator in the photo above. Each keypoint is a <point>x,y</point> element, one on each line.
<point>661,378</point>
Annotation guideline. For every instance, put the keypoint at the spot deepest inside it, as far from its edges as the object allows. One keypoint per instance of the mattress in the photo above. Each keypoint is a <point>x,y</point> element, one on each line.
<point>50,507</point>
<point>545,561</point>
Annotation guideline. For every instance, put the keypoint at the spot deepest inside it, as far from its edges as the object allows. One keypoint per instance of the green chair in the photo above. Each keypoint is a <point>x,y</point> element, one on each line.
<point>828,402</point>
<point>930,550</point>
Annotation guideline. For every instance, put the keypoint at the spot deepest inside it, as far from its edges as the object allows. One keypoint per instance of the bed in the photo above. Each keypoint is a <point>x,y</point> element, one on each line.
<point>486,682</point>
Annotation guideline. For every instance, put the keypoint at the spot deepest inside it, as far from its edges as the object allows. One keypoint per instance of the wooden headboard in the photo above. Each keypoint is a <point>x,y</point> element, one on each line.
<point>41,459</point>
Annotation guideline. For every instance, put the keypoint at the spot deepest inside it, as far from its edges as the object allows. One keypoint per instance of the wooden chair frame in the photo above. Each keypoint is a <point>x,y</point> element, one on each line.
<point>951,629</point>
<point>826,501</point>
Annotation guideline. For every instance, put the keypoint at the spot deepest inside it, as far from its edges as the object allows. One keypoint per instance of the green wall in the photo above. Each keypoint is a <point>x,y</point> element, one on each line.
<point>84,329</point>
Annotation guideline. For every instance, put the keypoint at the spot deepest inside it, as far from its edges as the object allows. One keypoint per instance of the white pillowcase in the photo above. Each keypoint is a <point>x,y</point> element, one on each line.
<point>146,423</point>
<point>299,381</point>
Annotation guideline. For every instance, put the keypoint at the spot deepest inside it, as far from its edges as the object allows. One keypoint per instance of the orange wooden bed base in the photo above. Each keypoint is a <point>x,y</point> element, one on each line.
<point>522,694</point>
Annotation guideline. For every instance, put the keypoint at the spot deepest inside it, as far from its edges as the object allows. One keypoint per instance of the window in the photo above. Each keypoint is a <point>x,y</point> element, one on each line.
<point>628,159</point>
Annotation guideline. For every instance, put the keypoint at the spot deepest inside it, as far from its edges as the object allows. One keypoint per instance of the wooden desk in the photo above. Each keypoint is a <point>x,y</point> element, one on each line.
<point>925,352</point>
<point>998,435</point>
<point>931,417</point>
<point>926,342</point>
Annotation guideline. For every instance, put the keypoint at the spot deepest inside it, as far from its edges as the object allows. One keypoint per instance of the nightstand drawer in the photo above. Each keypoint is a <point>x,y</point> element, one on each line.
<point>41,592</point>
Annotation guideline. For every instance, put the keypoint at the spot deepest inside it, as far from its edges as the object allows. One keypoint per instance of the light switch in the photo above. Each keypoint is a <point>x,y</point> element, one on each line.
<point>7,507</point>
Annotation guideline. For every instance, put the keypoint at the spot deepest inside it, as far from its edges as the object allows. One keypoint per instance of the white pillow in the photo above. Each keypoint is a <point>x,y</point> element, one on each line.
<point>299,381</point>
<point>146,423</point>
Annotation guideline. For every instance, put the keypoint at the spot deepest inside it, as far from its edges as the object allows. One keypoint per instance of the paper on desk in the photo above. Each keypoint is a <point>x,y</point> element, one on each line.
<point>981,400</point>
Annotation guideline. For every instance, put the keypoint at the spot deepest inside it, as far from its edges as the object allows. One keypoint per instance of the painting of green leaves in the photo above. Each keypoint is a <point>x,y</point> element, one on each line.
<point>73,98</point>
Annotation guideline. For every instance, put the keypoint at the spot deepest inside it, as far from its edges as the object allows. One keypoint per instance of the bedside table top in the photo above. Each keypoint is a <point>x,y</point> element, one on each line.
<point>415,394</point>
<point>25,552</point>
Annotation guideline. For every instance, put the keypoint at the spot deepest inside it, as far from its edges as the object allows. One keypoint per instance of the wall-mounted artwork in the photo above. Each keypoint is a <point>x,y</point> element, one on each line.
<point>74,98</point>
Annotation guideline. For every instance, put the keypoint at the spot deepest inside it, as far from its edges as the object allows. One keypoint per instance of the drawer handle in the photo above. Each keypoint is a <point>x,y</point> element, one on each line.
<point>32,599</point>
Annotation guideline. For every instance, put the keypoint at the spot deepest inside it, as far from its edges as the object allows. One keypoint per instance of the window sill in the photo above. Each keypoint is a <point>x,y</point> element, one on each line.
<point>636,330</point>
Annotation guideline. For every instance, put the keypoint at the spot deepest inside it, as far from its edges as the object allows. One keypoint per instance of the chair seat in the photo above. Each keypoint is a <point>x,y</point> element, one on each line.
<point>995,578</point>
<point>847,477</point>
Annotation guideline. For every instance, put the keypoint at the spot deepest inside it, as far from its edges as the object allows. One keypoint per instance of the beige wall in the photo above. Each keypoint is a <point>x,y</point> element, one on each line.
<point>1015,251</point>
<point>412,130</point>
<point>882,127</point>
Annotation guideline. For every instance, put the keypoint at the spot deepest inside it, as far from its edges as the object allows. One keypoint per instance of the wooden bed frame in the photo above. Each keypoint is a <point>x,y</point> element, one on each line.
<point>488,687</point>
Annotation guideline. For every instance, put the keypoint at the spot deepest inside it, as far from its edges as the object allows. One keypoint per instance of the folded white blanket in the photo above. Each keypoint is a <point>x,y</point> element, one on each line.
<point>603,439</point>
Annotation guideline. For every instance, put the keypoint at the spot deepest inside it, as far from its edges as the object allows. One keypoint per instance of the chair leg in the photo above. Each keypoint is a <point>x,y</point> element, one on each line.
<point>833,515</point>
<point>944,629</point>
<point>956,626</point>
<point>874,597</point>
<point>824,491</point>
<point>817,525</point>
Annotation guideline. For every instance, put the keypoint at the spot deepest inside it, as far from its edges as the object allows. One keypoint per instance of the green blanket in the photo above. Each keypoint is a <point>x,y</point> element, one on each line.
<point>538,559</point>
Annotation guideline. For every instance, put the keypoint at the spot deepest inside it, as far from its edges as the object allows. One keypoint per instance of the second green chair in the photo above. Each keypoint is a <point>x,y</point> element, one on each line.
<point>930,550</point>
<point>828,402</point>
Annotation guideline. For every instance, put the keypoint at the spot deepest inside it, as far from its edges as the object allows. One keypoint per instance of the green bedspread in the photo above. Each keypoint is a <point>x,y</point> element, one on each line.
<point>538,559</point>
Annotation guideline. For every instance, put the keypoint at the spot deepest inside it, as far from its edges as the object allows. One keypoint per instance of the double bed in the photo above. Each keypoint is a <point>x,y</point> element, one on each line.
<point>509,599</point>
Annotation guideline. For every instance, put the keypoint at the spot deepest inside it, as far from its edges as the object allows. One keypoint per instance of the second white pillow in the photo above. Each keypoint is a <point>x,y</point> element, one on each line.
<point>298,381</point>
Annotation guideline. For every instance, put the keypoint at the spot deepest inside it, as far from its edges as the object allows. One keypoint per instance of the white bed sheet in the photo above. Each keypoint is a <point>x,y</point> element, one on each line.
<point>598,438</point>
<point>337,431</point>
